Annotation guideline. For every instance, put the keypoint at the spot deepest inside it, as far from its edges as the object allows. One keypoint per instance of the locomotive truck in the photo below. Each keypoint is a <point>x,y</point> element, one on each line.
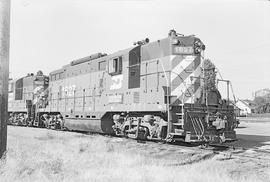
<point>151,91</point>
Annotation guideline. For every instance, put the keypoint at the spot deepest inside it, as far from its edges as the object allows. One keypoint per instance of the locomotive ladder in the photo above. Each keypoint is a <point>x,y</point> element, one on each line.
<point>179,125</point>
<point>180,116</point>
<point>34,115</point>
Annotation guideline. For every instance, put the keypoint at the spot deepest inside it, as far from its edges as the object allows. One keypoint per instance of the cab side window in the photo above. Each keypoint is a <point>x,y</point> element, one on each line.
<point>115,66</point>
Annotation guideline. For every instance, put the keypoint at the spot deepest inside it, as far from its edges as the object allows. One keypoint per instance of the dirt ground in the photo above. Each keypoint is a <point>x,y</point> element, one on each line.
<point>45,155</point>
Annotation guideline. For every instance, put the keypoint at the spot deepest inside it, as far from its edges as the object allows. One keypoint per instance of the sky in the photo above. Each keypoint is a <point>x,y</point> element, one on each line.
<point>47,34</point>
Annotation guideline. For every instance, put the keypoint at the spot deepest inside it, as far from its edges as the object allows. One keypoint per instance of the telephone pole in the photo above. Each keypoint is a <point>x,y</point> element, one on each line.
<point>4,71</point>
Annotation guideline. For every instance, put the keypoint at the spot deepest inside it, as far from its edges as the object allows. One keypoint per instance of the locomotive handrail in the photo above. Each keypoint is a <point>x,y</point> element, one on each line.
<point>200,124</point>
<point>154,73</point>
<point>134,65</point>
<point>204,108</point>
<point>167,104</point>
<point>193,125</point>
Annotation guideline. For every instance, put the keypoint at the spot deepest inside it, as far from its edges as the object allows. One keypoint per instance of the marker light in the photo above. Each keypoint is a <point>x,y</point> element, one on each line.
<point>175,41</point>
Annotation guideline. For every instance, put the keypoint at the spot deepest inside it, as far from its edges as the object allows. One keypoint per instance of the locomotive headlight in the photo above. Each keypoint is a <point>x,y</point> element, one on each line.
<point>198,47</point>
<point>175,41</point>
<point>198,50</point>
<point>197,43</point>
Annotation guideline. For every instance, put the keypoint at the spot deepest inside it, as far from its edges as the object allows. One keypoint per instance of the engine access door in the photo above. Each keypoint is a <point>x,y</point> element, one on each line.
<point>134,67</point>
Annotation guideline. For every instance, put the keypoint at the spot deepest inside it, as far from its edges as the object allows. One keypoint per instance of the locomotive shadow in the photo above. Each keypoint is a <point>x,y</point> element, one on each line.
<point>251,141</point>
<point>241,127</point>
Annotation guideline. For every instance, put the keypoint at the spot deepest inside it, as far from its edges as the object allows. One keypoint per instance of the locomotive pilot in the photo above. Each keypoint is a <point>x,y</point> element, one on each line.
<point>220,124</point>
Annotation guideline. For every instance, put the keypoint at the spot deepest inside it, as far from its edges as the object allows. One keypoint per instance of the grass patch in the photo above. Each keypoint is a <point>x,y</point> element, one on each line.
<point>65,156</point>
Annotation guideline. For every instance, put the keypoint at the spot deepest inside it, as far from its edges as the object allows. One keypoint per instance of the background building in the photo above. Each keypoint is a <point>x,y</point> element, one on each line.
<point>246,107</point>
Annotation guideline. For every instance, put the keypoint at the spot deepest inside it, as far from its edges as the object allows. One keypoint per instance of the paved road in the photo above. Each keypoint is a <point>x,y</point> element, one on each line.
<point>253,134</point>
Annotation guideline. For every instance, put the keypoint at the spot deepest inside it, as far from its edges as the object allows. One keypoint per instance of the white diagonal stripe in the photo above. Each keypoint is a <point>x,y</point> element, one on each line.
<point>181,66</point>
<point>184,85</point>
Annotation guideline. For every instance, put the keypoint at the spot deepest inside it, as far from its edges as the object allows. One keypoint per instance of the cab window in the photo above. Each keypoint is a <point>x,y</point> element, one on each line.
<point>115,66</point>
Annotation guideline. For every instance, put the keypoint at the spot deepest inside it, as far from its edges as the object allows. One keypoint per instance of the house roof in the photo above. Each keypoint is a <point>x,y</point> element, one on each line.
<point>234,104</point>
<point>248,103</point>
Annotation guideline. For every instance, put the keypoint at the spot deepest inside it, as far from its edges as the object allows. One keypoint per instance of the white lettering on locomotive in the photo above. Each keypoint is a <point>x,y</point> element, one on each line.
<point>69,90</point>
<point>116,82</point>
<point>183,50</point>
<point>115,98</point>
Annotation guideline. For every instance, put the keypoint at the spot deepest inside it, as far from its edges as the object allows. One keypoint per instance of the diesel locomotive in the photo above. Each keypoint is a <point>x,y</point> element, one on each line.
<point>151,91</point>
<point>23,97</point>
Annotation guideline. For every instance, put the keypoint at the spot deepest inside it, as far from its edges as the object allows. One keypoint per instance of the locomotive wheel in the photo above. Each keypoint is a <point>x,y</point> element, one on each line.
<point>44,121</point>
<point>29,123</point>
<point>125,131</point>
<point>142,133</point>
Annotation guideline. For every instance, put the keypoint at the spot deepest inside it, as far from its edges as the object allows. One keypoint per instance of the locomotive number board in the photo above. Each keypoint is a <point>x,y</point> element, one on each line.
<point>183,50</point>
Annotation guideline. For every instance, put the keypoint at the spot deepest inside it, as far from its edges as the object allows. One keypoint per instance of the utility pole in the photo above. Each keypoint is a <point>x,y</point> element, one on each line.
<point>4,71</point>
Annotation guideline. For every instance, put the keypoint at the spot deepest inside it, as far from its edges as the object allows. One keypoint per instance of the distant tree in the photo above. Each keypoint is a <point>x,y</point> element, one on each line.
<point>263,104</point>
<point>209,75</point>
<point>209,85</point>
<point>260,100</point>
